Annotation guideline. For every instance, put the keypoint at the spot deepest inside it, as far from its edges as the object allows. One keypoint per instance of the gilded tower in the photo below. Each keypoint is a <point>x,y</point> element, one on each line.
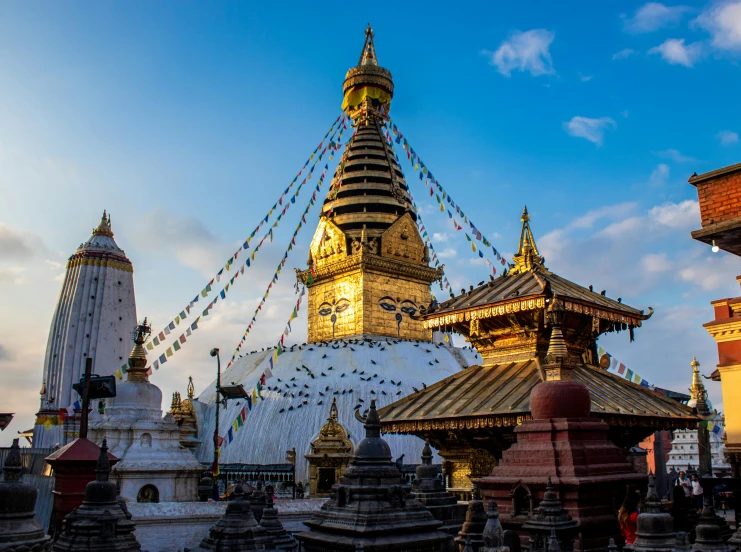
<point>369,270</point>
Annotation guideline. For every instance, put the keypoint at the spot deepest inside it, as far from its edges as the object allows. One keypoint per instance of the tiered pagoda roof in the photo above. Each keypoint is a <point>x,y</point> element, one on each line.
<point>505,319</point>
<point>369,190</point>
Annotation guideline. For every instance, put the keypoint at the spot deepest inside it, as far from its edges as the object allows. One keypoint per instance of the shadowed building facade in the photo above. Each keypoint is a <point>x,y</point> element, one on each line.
<point>470,416</point>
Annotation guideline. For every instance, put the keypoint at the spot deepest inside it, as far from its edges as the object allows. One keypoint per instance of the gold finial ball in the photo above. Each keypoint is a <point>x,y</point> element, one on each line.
<point>695,365</point>
<point>525,216</point>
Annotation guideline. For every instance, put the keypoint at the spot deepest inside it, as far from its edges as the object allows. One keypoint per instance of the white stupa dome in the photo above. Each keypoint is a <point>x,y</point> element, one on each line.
<point>295,405</point>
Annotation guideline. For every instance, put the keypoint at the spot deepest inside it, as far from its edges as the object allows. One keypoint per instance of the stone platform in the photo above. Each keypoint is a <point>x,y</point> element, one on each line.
<point>175,526</point>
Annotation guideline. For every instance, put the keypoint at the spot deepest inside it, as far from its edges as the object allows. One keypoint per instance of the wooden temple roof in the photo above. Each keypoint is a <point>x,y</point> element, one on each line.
<point>499,396</point>
<point>516,288</point>
<point>526,286</point>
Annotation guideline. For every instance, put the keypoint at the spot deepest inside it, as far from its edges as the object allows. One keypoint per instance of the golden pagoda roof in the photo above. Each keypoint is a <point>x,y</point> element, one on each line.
<point>499,396</point>
<point>529,281</point>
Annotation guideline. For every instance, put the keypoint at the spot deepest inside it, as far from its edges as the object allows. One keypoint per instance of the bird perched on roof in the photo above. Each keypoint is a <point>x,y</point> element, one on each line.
<point>324,355</point>
<point>400,462</point>
<point>343,375</point>
<point>355,371</point>
<point>330,368</point>
<point>323,374</point>
<point>373,361</point>
<point>321,394</point>
<point>281,411</point>
<point>381,381</point>
<point>293,378</point>
<point>424,385</point>
<point>383,392</point>
<point>415,389</point>
<point>306,386</point>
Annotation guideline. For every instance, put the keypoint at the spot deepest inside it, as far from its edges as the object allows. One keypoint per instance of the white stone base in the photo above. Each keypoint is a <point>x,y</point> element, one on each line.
<point>175,526</point>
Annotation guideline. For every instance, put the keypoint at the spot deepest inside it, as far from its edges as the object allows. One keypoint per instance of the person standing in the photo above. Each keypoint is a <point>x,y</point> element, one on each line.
<point>686,484</point>
<point>628,514</point>
<point>697,493</point>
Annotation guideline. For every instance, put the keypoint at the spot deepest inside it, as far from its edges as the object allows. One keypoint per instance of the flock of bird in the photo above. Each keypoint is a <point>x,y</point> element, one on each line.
<point>315,391</point>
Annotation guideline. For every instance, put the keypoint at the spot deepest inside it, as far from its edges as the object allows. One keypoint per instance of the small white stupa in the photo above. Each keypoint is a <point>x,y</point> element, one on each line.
<point>153,466</point>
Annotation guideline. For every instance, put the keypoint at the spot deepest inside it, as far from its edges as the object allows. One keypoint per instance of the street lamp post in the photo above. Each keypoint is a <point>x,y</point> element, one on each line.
<point>223,394</point>
<point>214,469</point>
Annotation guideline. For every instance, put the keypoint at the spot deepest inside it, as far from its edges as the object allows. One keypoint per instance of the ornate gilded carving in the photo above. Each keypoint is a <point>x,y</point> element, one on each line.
<point>482,462</point>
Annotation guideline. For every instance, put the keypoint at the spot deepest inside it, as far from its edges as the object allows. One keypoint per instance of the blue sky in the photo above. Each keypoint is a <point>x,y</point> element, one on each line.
<point>187,119</point>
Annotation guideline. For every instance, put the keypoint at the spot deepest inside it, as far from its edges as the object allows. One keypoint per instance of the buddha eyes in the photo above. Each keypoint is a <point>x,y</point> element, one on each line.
<point>325,309</point>
<point>387,306</point>
<point>408,310</point>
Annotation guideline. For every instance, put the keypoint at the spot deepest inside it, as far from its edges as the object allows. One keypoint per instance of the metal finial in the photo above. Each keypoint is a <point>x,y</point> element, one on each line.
<point>525,216</point>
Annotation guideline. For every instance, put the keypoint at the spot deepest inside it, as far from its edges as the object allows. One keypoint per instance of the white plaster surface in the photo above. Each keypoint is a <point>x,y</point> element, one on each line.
<point>269,433</point>
<point>147,445</point>
<point>94,317</point>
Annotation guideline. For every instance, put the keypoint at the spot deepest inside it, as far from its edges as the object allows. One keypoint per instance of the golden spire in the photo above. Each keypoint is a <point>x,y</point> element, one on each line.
<point>368,55</point>
<point>191,388</point>
<point>333,414</point>
<point>527,256</point>
<point>104,228</point>
<point>368,87</point>
<point>138,357</point>
<point>698,392</point>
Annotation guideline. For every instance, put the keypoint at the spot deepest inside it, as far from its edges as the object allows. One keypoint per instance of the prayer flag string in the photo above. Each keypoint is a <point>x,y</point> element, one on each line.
<point>331,146</point>
<point>256,395</point>
<point>426,175</point>
<point>181,340</point>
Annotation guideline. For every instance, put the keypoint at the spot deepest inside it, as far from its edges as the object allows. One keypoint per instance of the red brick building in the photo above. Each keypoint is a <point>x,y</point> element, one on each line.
<point>719,194</point>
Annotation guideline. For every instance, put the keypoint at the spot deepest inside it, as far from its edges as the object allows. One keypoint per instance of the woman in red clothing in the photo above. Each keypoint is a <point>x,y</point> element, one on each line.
<point>628,514</point>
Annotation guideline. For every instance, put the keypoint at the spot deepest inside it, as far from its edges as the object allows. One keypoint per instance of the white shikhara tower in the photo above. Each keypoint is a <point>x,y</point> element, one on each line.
<point>95,313</point>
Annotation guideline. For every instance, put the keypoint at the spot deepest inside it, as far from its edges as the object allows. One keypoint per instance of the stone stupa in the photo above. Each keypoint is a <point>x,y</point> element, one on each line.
<point>100,524</point>
<point>19,529</point>
<point>153,466</point>
<point>371,506</point>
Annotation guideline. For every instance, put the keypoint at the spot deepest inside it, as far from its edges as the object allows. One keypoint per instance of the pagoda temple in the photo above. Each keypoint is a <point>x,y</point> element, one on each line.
<point>470,416</point>
<point>367,278</point>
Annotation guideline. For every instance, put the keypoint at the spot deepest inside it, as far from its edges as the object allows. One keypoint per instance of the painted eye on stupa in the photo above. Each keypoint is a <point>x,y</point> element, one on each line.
<point>325,309</point>
<point>342,305</point>
<point>390,307</point>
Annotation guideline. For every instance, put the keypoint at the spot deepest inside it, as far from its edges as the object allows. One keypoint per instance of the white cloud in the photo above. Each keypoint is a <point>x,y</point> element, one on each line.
<point>676,156</point>
<point>633,252</point>
<point>723,21</point>
<point>585,78</point>
<point>727,137</point>
<point>447,253</point>
<point>623,54</point>
<point>13,275</point>
<point>440,237</point>
<point>527,51</point>
<point>675,52</point>
<point>588,220</point>
<point>591,129</point>
<point>683,215</point>
<point>656,262</point>
<point>659,175</point>
<point>653,16</point>
<point>17,245</point>
<point>187,238</point>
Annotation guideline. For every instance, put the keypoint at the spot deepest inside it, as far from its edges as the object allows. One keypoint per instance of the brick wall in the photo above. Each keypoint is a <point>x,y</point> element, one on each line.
<point>720,198</point>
